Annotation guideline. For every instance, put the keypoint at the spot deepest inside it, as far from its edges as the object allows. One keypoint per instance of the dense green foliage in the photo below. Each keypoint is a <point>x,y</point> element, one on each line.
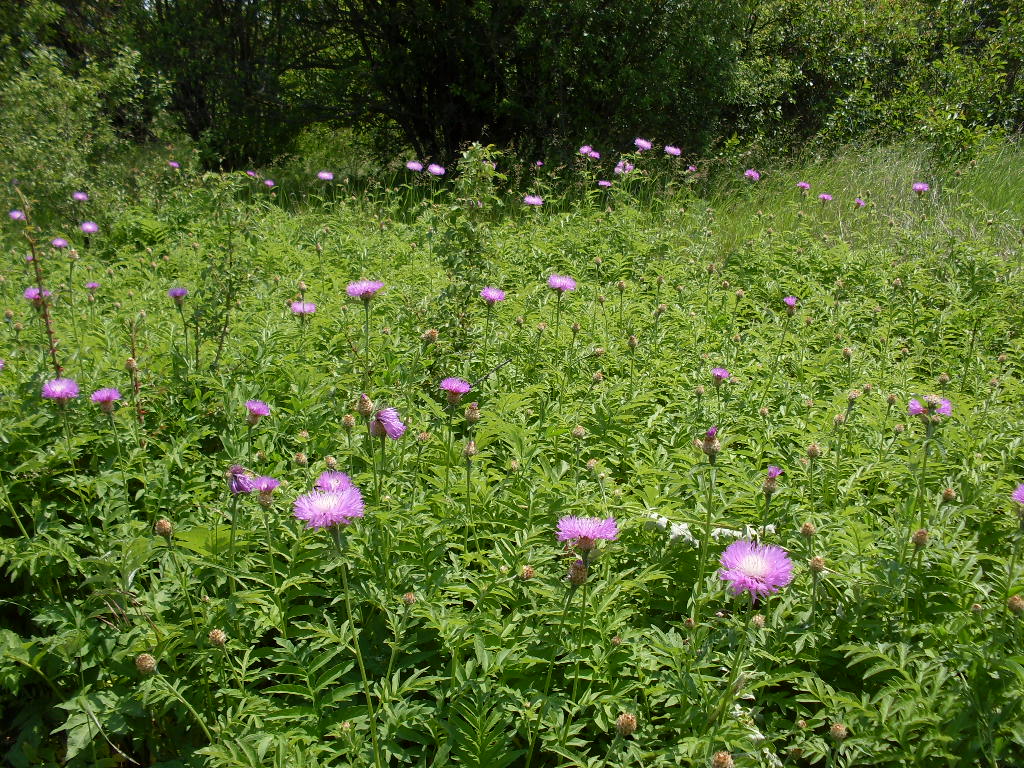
<point>589,404</point>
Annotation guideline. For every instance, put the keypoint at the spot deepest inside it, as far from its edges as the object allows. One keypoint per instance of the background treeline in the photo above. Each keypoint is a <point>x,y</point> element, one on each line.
<point>245,79</point>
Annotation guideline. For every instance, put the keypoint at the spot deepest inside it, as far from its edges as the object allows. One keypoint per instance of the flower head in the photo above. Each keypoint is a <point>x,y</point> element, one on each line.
<point>333,481</point>
<point>386,421</point>
<point>177,293</point>
<point>755,568</point>
<point>604,183</point>
<point>92,286</point>
<point>414,165</point>
<point>60,389</point>
<point>257,409</point>
<point>584,532</point>
<point>33,294</point>
<point>1018,494</point>
<point>80,197</point>
<point>492,295</point>
<point>641,144</point>
<point>89,227</point>
<point>751,174</point>
<point>268,182</point>
<point>719,375</point>
<point>561,283</point>
<point>920,187</point>
<point>774,472</point>
<point>364,289</point>
<point>322,509</point>
<point>533,200</point>
<point>691,168</point>
<point>858,203</point>
<point>325,176</point>
<point>594,154</point>
<point>790,302</point>
<point>623,166</point>
<point>240,479</point>
<point>264,484</point>
<point>825,197</point>
<point>173,164</point>
<point>932,405</point>
<point>803,185</point>
<point>455,387</point>
<point>674,151</point>
<point>303,307</point>
<point>59,242</point>
<point>435,170</point>
<point>586,149</point>
<point>17,215</point>
<point>105,398</point>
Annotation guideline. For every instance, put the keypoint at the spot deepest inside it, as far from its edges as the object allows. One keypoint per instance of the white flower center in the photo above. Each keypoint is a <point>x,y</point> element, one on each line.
<point>755,566</point>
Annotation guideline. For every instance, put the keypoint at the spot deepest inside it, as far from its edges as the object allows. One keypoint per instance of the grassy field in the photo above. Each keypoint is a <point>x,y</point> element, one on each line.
<point>159,610</point>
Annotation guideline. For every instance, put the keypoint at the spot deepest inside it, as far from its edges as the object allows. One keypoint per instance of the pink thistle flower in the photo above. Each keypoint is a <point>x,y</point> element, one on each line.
<point>364,289</point>
<point>584,532</point>
<point>257,409</point>
<point>691,168</point>
<point>825,197</point>
<point>790,301</point>
<point>673,151</point>
<point>33,294</point>
<point>774,472</point>
<point>586,149</point>
<point>333,481</point>
<point>61,389</point>
<point>920,187</point>
<point>641,144</point>
<point>325,176</point>
<point>533,200</point>
<point>492,295</point>
<point>561,283</point>
<point>303,307</point>
<point>803,185</point>
<point>105,398</point>
<point>2,363</point>
<point>539,163</point>
<point>59,242</point>
<point>455,388</point>
<point>240,480</point>
<point>623,166</point>
<point>435,170</point>
<point>858,203</point>
<point>751,174</point>
<point>414,165</point>
<point>17,215</point>
<point>719,375</point>
<point>251,174</point>
<point>755,568</point>
<point>594,154</point>
<point>604,183</point>
<point>173,164</point>
<point>178,294</point>
<point>80,197</point>
<point>265,487</point>
<point>269,183</point>
<point>323,509</point>
<point>914,407</point>
<point>1018,494</point>
<point>92,287</point>
<point>89,227</point>
<point>387,422</point>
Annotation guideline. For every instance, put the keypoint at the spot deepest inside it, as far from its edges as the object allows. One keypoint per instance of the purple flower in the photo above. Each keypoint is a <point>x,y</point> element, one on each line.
<point>803,185</point>
<point>17,215</point>
<point>257,409</point>
<point>920,187</point>
<point>36,296</point>
<point>1018,494</point>
<point>105,398</point>
<point>364,289</point>
<point>584,532</point>
<point>825,197</point>
<point>59,242</point>
<point>414,165</point>
<point>711,434</point>
<point>624,166</point>
<point>322,509</point>
<point>674,151</point>
<point>594,154</point>
<point>691,168</point>
<point>914,407</point>
<point>269,182</point>
<point>720,375</point>
<point>60,389</point>
<point>178,294</point>
<point>264,486</point>
<point>89,227</point>
<point>641,144</point>
<point>774,472</point>
<point>751,174</point>
<point>92,286</point>
<point>387,422</point>
<point>755,568</point>
<point>435,170</point>
<point>561,283</point>
<point>604,183</point>
<point>533,200</point>
<point>932,405</point>
<point>539,163</point>
<point>240,479</point>
<point>790,301</point>
<point>325,176</point>
<point>492,295</point>
<point>303,307</point>
<point>455,387</point>
<point>2,363</point>
<point>586,149</point>
<point>80,197</point>
<point>333,481</point>
<point>858,202</point>
<point>251,174</point>
<point>173,164</point>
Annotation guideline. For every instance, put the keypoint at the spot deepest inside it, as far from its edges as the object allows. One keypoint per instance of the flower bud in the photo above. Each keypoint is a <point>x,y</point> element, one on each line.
<point>813,451</point>
<point>364,407</point>
<point>163,528</point>
<point>145,663</point>
<point>633,341</point>
<point>473,413</point>
<point>527,573</point>
<point>579,432</point>
<point>348,421</point>
<point>409,598</point>
<point>626,724</point>
<point>429,336</point>
<point>838,731</point>
<point>577,573</point>
<point>722,759</point>
<point>948,494</point>
<point>470,450</point>
<point>920,538</point>
<point>817,564</point>
<point>301,459</point>
<point>807,530</point>
<point>218,638</point>
<point>1016,605</point>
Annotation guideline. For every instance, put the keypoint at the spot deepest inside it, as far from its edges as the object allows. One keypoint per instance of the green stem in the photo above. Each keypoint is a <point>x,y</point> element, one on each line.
<point>199,720</point>
<point>705,544</point>
<point>547,679</point>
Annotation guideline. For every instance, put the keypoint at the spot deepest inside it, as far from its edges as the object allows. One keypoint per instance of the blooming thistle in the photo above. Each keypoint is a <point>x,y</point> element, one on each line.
<point>586,149</point>
<point>331,481</point>
<point>858,203</point>
<point>264,486</point>
<point>89,227</point>
<point>825,197</point>
<point>535,200</point>
<point>92,286</point>
<point>771,481</point>
<point>492,295</point>
<point>269,183</point>
<point>435,170</point>
<point>673,151</point>
<point>257,409</point>
<point>364,289</point>
<point>790,302</point>
<point>561,283</point>
<point>583,533</point>
<point>1018,495</point>
<point>105,398</point>
<point>414,165</point>
<point>240,479</point>
<point>178,294</point>
<point>387,422</point>
<point>710,445</point>
<point>641,144</point>
<point>719,376</point>
<point>455,388</point>
<point>60,390</point>
<point>755,568</point>
<point>604,183</point>
<point>80,197</point>
<point>325,176</point>
<point>691,169</point>
<point>594,154</point>
<point>37,297</point>
<point>920,187</point>
<point>624,166</point>
<point>323,509</point>
<point>751,174</point>
<point>17,215</point>
<point>803,186</point>
<point>59,242</point>
<point>303,308</point>
<point>930,409</point>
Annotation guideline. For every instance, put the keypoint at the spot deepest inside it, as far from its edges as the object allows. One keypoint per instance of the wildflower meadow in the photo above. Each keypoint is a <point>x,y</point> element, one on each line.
<point>630,459</point>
